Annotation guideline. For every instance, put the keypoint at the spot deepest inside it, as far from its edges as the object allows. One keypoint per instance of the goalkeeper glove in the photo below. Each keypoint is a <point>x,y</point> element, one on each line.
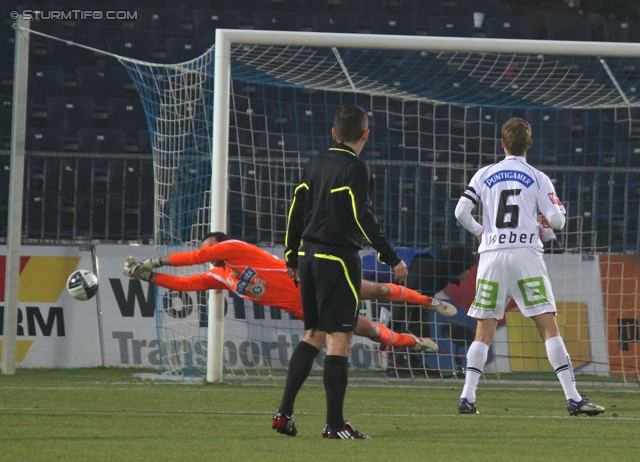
<point>140,270</point>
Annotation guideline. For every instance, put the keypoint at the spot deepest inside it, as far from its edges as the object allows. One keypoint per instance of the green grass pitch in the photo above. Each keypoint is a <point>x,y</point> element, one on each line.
<point>105,414</point>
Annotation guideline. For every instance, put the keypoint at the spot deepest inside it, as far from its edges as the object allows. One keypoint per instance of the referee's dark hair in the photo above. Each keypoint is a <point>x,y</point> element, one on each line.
<point>350,123</point>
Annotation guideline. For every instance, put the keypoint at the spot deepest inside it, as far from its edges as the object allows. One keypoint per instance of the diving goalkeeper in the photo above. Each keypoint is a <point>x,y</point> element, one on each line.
<point>256,275</point>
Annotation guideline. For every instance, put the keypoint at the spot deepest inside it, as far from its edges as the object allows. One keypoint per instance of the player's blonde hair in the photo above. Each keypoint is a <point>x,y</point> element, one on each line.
<point>516,134</point>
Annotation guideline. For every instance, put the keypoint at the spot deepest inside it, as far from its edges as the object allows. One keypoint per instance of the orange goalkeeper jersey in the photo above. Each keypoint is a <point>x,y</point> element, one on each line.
<point>250,272</point>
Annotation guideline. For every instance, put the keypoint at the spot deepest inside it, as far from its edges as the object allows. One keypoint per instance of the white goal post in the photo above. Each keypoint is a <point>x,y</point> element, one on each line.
<point>226,37</point>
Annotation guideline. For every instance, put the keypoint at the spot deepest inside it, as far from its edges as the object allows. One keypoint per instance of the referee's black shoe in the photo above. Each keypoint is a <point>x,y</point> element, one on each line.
<point>284,424</point>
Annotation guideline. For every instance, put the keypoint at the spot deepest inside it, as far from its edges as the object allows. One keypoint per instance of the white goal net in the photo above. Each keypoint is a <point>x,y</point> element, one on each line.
<point>263,103</point>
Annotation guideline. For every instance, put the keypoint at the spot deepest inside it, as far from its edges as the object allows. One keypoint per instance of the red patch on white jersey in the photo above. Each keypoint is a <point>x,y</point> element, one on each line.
<point>554,199</point>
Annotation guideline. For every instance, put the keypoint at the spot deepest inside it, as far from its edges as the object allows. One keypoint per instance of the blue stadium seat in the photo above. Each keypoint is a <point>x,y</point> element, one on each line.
<point>153,26</point>
<point>157,21</point>
<point>423,7</point>
<point>318,6</point>
<point>399,6</point>
<point>151,48</point>
<point>187,6</point>
<point>5,138</point>
<point>96,33</point>
<point>44,139</point>
<point>568,29</point>
<point>70,114</point>
<point>280,115</point>
<point>335,22</point>
<point>206,21</point>
<point>179,50</point>
<point>126,114</point>
<point>275,20</point>
<point>49,52</point>
<point>144,142</point>
<point>368,7</point>
<point>278,94</point>
<point>6,110</point>
<point>101,83</point>
<point>626,153</point>
<point>244,5</point>
<point>122,46</point>
<point>104,140</point>
<point>451,26</point>
<point>61,29</point>
<point>7,50</point>
<point>622,31</point>
<point>508,28</point>
<point>45,82</point>
<point>396,24</point>
<point>487,7</point>
<point>298,6</point>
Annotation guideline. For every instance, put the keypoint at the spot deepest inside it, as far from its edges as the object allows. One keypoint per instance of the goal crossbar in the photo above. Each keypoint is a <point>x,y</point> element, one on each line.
<point>419,43</point>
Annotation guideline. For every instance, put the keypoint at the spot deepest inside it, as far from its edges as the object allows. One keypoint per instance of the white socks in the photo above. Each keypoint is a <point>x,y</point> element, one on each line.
<point>561,363</point>
<point>476,358</point>
<point>556,352</point>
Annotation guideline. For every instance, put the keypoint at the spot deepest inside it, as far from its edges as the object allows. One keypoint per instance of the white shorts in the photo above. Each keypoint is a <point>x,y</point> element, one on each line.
<point>512,273</point>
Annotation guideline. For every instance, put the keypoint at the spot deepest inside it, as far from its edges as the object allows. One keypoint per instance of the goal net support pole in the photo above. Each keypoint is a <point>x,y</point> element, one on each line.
<point>219,189</point>
<point>16,187</point>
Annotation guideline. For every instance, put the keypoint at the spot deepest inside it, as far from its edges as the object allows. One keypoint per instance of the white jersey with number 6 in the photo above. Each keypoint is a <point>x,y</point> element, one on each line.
<point>512,193</point>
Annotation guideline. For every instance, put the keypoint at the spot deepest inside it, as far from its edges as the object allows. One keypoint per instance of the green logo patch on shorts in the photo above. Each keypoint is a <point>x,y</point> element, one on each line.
<point>486,295</point>
<point>533,291</point>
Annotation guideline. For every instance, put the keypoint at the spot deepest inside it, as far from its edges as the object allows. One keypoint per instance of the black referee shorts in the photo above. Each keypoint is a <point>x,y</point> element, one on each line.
<point>330,279</point>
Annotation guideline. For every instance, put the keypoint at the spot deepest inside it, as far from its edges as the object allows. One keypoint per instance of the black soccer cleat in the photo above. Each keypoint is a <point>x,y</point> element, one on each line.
<point>584,406</point>
<point>344,432</point>
<point>465,407</point>
<point>284,424</point>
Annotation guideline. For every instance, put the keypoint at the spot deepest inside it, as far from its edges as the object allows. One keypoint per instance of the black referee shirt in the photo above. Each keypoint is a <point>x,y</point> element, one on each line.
<point>331,206</point>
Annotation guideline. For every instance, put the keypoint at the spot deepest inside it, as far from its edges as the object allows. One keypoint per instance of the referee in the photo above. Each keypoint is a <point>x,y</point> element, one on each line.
<point>330,213</point>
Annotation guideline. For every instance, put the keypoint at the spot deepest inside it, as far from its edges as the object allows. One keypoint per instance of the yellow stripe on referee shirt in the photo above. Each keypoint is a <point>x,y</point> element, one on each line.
<point>353,205</point>
<point>286,236</point>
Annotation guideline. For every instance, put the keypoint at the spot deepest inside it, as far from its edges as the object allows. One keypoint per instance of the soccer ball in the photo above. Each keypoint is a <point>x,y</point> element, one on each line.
<point>82,284</point>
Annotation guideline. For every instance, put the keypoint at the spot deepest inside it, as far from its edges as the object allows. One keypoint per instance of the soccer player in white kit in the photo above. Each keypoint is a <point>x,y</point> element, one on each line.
<point>513,194</point>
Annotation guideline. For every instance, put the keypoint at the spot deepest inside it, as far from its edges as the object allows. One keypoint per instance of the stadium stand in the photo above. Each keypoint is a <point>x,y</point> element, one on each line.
<point>144,142</point>
<point>44,139</point>
<point>157,22</point>
<point>122,46</point>
<point>77,100</point>
<point>277,20</point>
<point>101,140</point>
<point>508,28</point>
<point>45,82</point>
<point>101,83</point>
<point>335,22</point>
<point>622,31</point>
<point>6,104</point>
<point>69,114</point>
<point>393,23</point>
<point>181,49</point>
<point>562,29</point>
<point>451,26</point>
